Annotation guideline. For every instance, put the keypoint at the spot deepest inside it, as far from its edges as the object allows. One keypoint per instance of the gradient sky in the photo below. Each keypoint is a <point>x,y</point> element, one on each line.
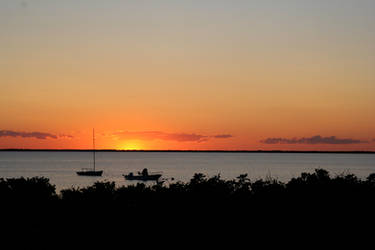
<point>247,75</point>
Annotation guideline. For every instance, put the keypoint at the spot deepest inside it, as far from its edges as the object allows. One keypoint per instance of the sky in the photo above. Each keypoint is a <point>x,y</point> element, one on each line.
<point>188,75</point>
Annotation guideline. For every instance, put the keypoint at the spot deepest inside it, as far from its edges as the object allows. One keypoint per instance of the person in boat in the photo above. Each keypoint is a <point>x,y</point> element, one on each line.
<point>145,172</point>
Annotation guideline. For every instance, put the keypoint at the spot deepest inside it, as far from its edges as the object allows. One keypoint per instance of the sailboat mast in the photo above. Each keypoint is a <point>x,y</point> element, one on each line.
<point>93,143</point>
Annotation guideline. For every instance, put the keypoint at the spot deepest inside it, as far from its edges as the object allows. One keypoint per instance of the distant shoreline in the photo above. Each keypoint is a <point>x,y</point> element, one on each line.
<point>191,151</point>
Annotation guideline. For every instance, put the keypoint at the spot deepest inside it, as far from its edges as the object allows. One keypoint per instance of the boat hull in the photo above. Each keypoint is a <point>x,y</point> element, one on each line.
<point>90,173</point>
<point>153,177</point>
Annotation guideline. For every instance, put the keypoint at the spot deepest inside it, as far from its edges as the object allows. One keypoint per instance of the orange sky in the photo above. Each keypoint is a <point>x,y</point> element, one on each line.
<point>167,75</point>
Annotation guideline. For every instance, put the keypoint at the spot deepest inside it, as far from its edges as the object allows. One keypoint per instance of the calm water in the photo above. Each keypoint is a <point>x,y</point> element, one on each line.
<point>60,167</point>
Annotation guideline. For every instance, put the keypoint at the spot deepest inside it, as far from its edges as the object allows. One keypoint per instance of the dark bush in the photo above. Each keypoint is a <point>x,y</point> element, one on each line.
<point>203,203</point>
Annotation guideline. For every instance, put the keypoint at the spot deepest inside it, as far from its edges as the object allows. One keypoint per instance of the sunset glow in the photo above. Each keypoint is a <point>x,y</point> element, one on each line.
<point>131,145</point>
<point>188,75</point>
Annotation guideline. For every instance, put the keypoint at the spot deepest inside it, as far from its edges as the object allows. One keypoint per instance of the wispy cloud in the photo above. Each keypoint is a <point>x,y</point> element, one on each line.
<point>159,135</point>
<point>224,136</point>
<point>37,135</point>
<point>65,136</point>
<point>312,140</point>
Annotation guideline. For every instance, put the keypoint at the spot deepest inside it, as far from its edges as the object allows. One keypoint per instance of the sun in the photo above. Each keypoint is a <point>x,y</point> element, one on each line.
<point>130,145</point>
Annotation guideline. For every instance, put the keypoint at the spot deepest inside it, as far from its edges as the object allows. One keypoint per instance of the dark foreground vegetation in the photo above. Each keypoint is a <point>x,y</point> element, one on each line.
<point>313,202</point>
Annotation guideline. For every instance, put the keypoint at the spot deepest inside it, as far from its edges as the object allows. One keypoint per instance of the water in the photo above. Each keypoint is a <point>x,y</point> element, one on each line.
<point>60,167</point>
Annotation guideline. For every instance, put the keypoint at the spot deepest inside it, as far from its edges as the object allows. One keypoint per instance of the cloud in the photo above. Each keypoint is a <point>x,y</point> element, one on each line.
<point>65,136</point>
<point>222,136</point>
<point>37,135</point>
<point>312,140</point>
<point>159,135</point>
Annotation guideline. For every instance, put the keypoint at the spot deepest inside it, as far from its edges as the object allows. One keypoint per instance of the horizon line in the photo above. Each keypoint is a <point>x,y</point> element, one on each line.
<point>197,151</point>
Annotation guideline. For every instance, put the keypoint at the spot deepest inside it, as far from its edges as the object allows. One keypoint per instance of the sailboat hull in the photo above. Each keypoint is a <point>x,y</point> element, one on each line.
<point>90,173</point>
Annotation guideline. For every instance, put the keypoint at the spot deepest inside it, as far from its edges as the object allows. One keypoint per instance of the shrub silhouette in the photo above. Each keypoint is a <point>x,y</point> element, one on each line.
<point>36,190</point>
<point>205,203</point>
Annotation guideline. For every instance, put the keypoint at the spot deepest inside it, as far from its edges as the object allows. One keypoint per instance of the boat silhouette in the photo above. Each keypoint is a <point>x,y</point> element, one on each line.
<point>91,171</point>
<point>144,176</point>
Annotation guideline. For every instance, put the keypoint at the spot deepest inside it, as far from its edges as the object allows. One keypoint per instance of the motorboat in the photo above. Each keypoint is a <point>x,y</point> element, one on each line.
<point>143,176</point>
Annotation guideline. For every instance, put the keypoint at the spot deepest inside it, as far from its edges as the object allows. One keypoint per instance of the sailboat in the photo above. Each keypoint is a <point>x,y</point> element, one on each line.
<point>91,171</point>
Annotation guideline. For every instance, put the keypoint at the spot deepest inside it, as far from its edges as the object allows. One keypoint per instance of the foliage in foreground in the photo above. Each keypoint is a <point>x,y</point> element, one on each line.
<point>31,206</point>
<point>199,192</point>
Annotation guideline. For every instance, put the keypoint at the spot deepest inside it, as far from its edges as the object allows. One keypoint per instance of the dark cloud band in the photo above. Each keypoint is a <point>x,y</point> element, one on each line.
<point>37,135</point>
<point>223,136</point>
<point>312,140</point>
<point>159,135</point>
